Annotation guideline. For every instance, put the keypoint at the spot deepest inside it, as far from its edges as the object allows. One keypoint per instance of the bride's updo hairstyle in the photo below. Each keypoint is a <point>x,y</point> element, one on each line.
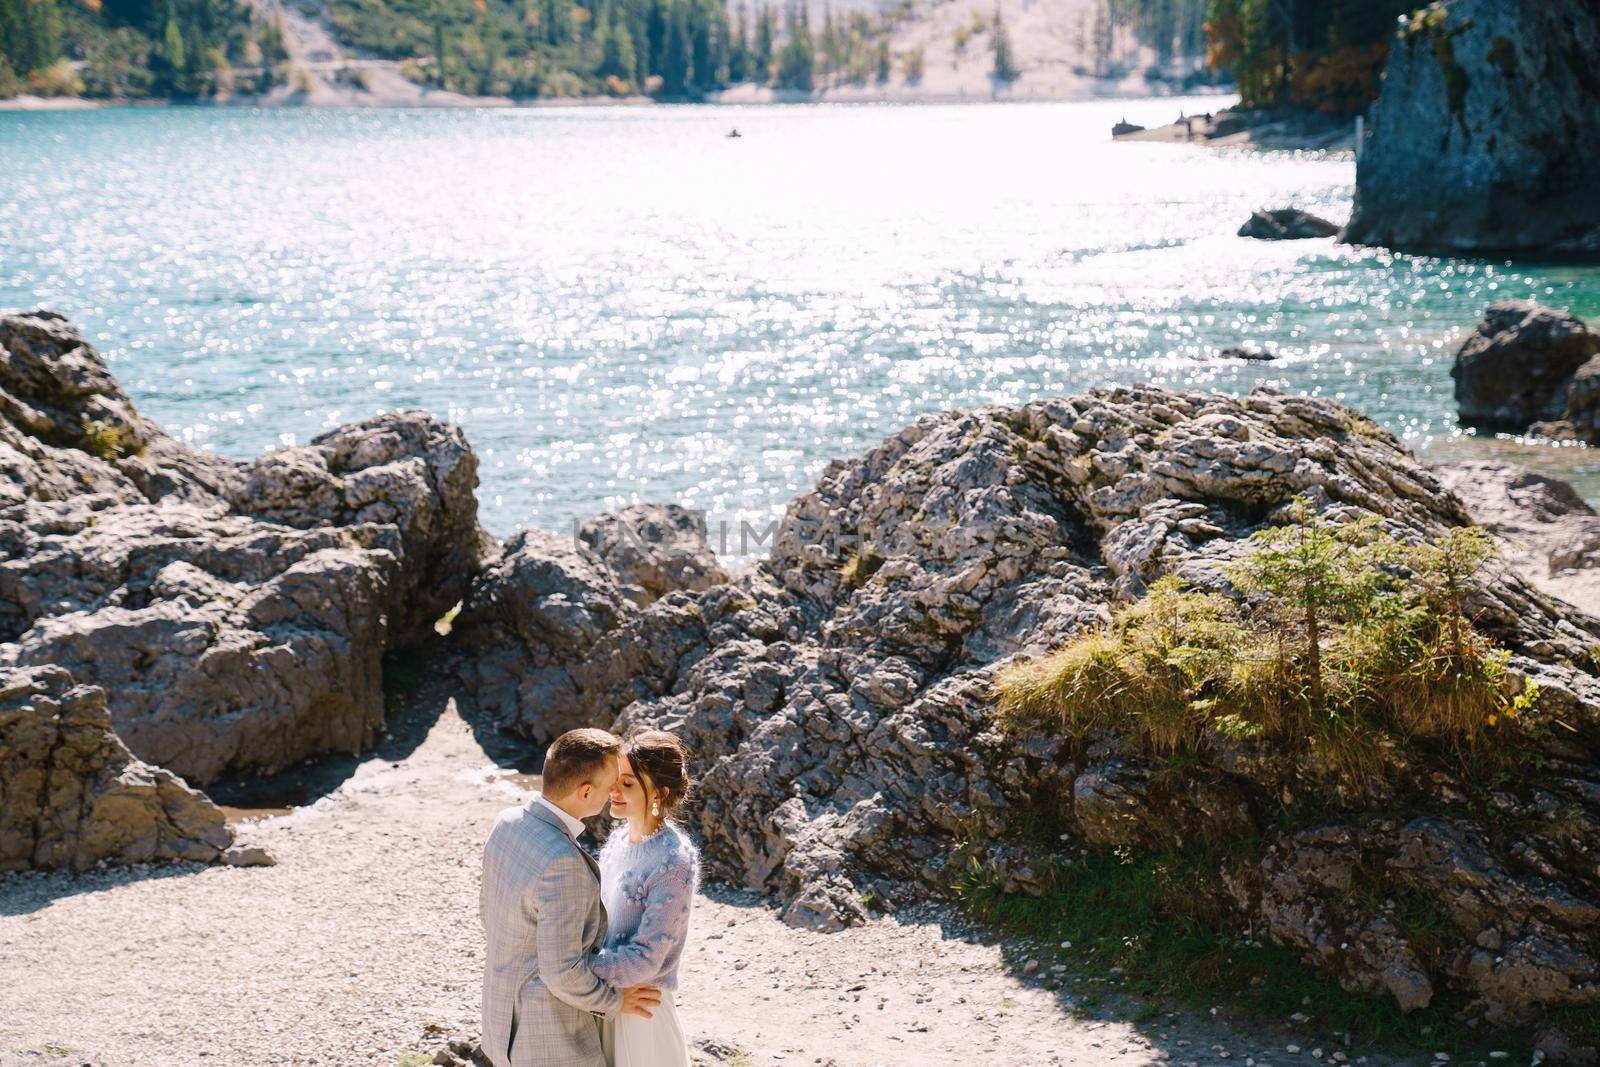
<point>661,763</point>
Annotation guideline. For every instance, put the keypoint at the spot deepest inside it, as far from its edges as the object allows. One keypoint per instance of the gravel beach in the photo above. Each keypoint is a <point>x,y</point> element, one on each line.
<point>363,946</point>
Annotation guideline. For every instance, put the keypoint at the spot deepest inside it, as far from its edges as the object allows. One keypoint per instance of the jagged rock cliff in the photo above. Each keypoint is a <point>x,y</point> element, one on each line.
<point>1483,138</point>
<point>235,613</point>
<point>71,795</point>
<point>839,695</point>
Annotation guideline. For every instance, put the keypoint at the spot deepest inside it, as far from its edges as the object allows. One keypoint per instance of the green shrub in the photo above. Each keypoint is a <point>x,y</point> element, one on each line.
<point>106,441</point>
<point>1147,674</point>
<point>10,84</point>
<point>1349,645</point>
<point>861,565</point>
<point>58,79</point>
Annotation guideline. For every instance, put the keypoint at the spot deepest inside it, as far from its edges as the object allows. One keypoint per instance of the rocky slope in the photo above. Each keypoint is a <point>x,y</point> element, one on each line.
<point>1482,137</point>
<point>235,613</point>
<point>71,795</point>
<point>839,694</point>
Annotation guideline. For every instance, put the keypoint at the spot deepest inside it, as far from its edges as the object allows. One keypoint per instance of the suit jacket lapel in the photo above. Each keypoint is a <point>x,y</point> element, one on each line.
<point>593,866</point>
<point>539,811</point>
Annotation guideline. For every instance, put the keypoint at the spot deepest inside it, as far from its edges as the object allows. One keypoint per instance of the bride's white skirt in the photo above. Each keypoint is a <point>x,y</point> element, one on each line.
<point>630,1041</point>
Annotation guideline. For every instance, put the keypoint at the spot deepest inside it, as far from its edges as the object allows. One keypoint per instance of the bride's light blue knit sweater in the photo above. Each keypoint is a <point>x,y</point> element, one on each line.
<point>648,890</point>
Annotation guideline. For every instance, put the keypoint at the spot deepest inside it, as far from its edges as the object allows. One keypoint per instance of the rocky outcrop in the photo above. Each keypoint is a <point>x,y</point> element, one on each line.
<point>839,695</point>
<point>1482,137</point>
<point>654,549</point>
<point>1547,533</point>
<point>533,613</point>
<point>71,795</point>
<point>1503,925</point>
<point>235,613</point>
<point>543,604</point>
<point>1286,224</point>
<point>403,469</point>
<point>1529,367</point>
<point>1252,355</point>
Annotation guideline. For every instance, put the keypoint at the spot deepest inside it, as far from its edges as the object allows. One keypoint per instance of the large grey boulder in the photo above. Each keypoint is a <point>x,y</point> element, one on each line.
<point>1517,368</point>
<point>403,469</point>
<point>534,612</point>
<point>1483,136</point>
<point>71,795</point>
<point>654,549</point>
<point>544,602</point>
<point>839,695</point>
<point>236,613</point>
<point>68,430</point>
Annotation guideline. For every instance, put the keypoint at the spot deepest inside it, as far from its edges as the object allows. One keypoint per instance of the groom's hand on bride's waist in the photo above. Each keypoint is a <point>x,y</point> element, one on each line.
<point>639,999</point>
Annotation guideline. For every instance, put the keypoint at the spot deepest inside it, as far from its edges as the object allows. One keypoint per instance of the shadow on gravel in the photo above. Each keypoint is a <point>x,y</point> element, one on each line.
<point>419,684</point>
<point>517,755</point>
<point>1132,1023</point>
<point>417,688</point>
<point>26,892</point>
<point>1187,1036</point>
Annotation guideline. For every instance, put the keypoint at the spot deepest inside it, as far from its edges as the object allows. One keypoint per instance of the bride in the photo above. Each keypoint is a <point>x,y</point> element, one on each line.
<point>648,876</point>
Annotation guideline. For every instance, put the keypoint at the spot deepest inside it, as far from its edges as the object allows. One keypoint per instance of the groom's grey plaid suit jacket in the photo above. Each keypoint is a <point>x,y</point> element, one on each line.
<point>540,905</point>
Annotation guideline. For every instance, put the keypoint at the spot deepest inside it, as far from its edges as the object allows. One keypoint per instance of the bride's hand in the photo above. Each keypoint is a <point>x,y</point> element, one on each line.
<point>639,999</point>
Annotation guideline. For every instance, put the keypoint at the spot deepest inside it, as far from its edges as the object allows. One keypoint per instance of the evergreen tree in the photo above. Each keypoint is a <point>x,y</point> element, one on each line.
<point>172,49</point>
<point>797,58</point>
<point>555,27</point>
<point>675,61</point>
<point>882,62</point>
<point>763,50</point>
<point>656,36</point>
<point>832,54</point>
<point>273,51</point>
<point>739,60</point>
<point>914,61</point>
<point>616,49</point>
<point>702,65</point>
<point>29,34</point>
<point>438,52</point>
<point>1005,67</point>
<point>488,45</point>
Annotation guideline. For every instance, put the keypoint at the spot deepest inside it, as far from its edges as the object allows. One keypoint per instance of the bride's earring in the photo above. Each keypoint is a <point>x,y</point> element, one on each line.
<point>655,809</point>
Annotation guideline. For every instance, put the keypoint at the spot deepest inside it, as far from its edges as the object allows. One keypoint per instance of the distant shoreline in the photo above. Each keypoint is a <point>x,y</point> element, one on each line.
<point>54,103</point>
<point>1230,128</point>
<point>740,97</point>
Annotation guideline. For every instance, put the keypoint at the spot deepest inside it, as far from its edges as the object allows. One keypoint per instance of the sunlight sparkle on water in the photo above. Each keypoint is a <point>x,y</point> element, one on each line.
<point>623,304</point>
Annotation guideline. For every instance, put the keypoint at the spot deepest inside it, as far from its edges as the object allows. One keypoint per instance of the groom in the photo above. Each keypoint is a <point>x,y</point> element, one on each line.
<point>540,905</point>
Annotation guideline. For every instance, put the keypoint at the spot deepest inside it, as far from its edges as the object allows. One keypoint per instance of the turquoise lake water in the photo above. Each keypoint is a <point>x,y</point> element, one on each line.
<point>623,304</point>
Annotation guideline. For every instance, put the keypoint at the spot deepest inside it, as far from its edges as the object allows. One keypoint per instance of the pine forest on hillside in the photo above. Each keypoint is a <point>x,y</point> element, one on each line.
<point>1307,53</point>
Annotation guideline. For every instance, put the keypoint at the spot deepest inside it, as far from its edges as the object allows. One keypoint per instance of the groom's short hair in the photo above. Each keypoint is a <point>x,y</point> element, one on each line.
<point>576,757</point>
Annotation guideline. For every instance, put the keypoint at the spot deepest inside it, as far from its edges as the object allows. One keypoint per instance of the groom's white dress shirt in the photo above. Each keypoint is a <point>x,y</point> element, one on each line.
<point>574,826</point>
